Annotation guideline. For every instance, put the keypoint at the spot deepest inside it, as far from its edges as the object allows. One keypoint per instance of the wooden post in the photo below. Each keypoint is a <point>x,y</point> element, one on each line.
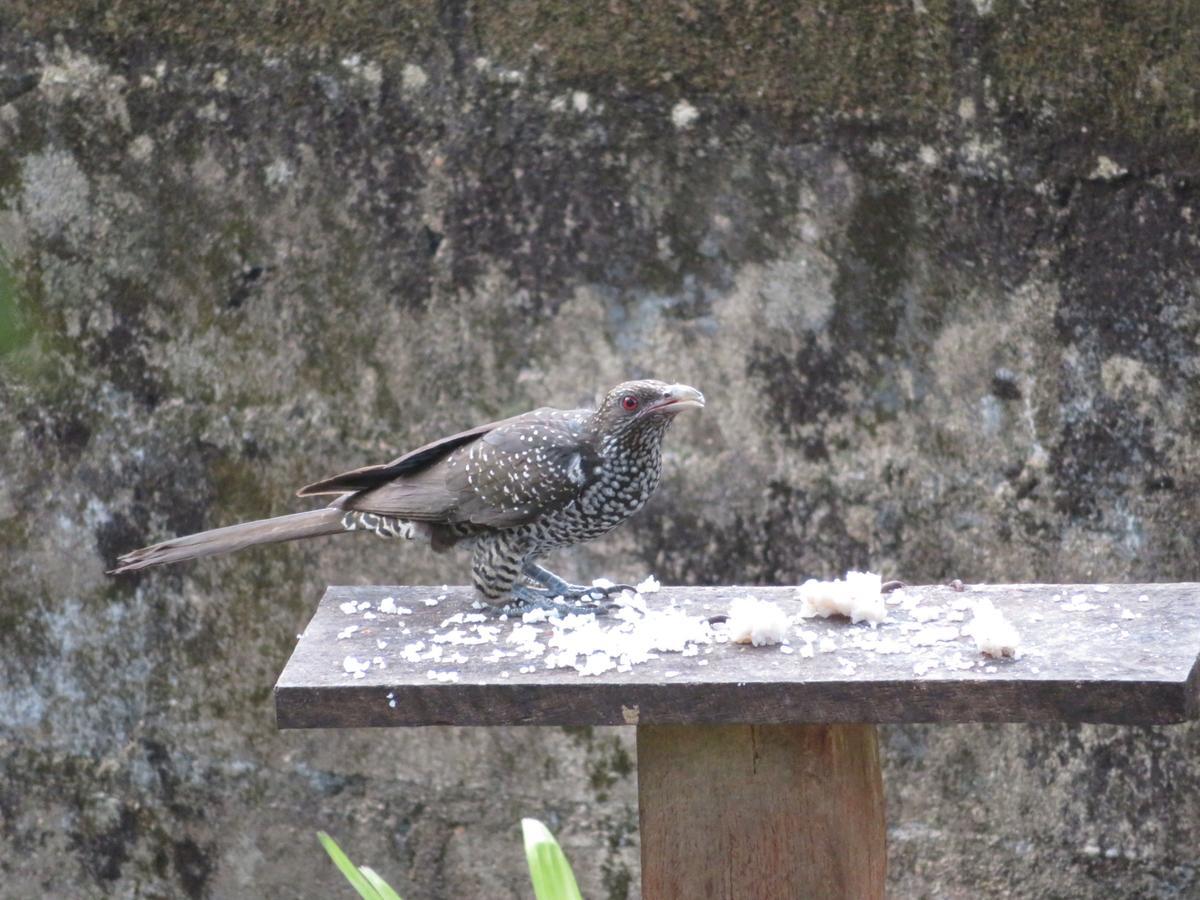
<point>755,811</point>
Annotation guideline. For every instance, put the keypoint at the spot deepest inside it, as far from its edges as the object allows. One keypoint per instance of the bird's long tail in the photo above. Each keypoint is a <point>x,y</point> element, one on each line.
<point>314,523</point>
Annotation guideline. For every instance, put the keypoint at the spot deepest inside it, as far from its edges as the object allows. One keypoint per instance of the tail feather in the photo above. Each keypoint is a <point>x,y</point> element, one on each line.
<point>313,523</point>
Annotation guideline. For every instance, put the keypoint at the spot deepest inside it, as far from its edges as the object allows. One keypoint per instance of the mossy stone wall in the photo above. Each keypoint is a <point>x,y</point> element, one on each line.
<point>935,265</point>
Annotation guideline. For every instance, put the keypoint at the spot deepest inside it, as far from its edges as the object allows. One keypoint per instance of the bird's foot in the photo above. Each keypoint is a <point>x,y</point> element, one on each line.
<point>527,598</point>
<point>560,587</point>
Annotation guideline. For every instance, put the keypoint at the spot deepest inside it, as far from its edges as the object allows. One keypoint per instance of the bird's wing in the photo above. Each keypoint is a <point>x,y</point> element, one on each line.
<point>410,463</point>
<point>510,475</point>
<point>422,496</point>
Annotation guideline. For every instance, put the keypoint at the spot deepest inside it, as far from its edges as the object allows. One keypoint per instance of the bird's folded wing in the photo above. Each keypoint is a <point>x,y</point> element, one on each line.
<point>531,465</point>
<point>409,464</point>
<point>423,497</point>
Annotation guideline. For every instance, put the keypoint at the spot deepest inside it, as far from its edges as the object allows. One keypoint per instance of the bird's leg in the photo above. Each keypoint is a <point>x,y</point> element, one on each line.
<point>560,587</point>
<point>528,598</point>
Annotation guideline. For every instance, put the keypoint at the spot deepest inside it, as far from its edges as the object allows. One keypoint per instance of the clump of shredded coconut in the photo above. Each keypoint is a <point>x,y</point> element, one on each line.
<point>632,635</point>
<point>757,622</point>
<point>649,586</point>
<point>597,664</point>
<point>994,635</point>
<point>859,598</point>
<point>388,605</point>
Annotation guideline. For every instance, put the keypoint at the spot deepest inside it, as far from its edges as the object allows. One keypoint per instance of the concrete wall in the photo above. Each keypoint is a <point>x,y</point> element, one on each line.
<point>935,265</point>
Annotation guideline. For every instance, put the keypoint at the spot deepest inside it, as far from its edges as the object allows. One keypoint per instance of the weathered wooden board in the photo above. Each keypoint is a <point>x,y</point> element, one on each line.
<point>730,811</point>
<point>1123,654</point>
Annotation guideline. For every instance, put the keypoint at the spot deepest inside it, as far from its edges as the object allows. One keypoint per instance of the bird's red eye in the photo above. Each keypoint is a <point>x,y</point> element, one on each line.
<point>629,403</point>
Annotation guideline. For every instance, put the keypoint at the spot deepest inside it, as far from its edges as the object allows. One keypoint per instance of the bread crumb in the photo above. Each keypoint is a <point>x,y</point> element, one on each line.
<point>757,622</point>
<point>858,598</point>
<point>649,586</point>
<point>994,635</point>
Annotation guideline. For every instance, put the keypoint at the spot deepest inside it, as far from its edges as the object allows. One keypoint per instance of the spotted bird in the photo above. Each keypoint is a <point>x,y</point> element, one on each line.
<point>515,490</point>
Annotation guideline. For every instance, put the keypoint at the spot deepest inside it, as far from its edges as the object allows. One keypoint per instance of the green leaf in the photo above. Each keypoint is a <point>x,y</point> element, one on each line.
<point>548,868</point>
<point>342,861</point>
<point>384,889</point>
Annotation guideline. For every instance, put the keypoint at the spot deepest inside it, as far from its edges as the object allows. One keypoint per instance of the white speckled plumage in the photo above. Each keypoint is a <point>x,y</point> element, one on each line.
<point>546,480</point>
<point>517,489</point>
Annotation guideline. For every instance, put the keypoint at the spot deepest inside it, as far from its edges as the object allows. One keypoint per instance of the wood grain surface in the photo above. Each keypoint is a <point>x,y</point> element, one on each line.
<point>1088,653</point>
<point>740,811</point>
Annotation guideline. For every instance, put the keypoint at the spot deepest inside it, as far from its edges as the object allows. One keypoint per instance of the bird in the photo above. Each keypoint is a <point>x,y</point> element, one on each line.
<point>514,490</point>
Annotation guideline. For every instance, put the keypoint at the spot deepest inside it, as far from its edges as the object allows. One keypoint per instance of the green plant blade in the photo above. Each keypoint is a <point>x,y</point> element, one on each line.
<point>342,861</point>
<point>548,868</point>
<point>384,889</point>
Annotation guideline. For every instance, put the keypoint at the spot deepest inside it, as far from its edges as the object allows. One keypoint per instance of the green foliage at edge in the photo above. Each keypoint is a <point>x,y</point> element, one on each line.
<point>548,868</point>
<point>384,889</point>
<point>368,884</point>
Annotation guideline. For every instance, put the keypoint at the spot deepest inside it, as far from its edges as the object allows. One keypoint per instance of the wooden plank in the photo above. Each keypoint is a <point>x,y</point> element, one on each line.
<point>761,811</point>
<point>1123,654</point>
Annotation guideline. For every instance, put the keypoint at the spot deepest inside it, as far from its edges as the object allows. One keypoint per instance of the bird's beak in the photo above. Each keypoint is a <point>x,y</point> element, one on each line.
<point>679,397</point>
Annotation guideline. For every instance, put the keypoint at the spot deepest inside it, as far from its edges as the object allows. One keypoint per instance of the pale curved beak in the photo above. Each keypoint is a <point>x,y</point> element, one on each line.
<point>678,397</point>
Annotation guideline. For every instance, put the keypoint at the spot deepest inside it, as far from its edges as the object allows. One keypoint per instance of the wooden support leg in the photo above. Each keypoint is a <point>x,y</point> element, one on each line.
<point>761,811</point>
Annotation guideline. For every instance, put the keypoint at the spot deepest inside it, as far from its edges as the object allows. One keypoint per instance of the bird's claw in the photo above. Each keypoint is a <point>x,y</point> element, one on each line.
<point>559,587</point>
<point>621,588</point>
<point>599,592</point>
<point>528,598</point>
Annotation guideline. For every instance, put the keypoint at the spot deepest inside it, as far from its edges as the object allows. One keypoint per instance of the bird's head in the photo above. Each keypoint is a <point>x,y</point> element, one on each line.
<point>635,405</point>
